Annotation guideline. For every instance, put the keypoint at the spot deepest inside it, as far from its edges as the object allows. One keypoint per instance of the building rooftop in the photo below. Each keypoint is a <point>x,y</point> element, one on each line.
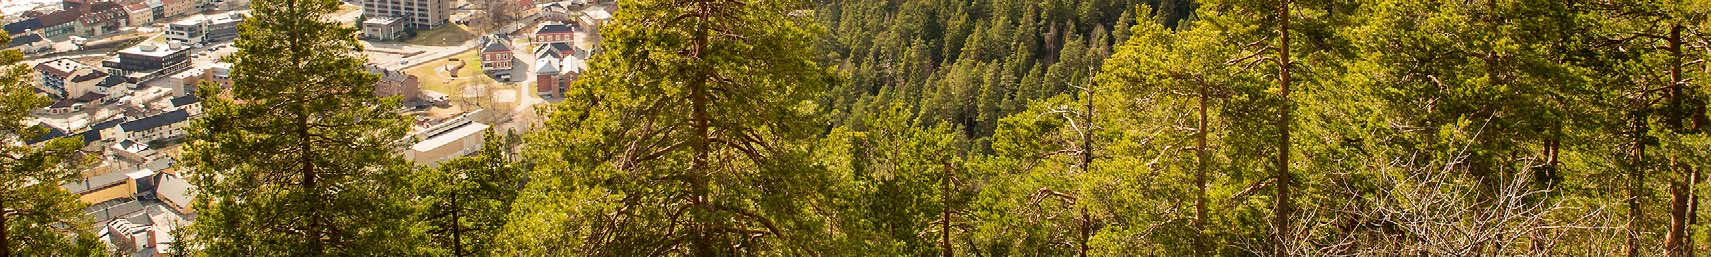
<point>597,13</point>
<point>175,191</point>
<point>50,134</point>
<point>554,50</point>
<point>153,50</point>
<point>547,66</point>
<point>90,97</point>
<point>158,120</point>
<point>555,28</point>
<point>94,132</point>
<point>24,39</point>
<point>185,100</point>
<point>60,67</point>
<point>96,182</point>
<point>449,136</point>
<point>573,64</point>
<point>110,81</point>
<point>89,76</point>
<point>25,25</point>
<point>191,21</point>
<point>497,45</point>
<point>60,17</point>
<point>381,21</point>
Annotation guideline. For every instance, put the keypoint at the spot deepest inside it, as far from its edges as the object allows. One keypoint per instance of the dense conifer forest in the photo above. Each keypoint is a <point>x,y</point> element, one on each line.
<point>980,128</point>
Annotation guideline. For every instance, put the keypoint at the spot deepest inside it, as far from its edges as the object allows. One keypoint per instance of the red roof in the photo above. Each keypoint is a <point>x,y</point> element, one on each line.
<point>59,18</point>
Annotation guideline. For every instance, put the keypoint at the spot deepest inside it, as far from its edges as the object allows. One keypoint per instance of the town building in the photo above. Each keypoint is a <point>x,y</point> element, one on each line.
<point>147,61</point>
<point>382,28</point>
<point>205,29</point>
<point>64,78</point>
<point>457,137</point>
<point>417,14</point>
<point>176,193</point>
<point>396,83</point>
<point>158,8</point>
<point>224,27</point>
<point>131,151</point>
<point>594,17</point>
<point>57,24</point>
<point>187,31</point>
<point>103,187</point>
<point>496,56</point>
<point>139,14</point>
<point>189,103</point>
<point>168,125</point>
<point>30,43</point>
<point>555,11</point>
<point>554,33</point>
<point>556,65</point>
<point>102,18</point>
<point>175,8</point>
<point>186,82</point>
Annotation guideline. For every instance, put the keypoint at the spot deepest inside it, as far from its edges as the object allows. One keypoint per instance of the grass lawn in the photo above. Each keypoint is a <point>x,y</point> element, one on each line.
<point>345,9</point>
<point>447,35</point>
<point>434,77</point>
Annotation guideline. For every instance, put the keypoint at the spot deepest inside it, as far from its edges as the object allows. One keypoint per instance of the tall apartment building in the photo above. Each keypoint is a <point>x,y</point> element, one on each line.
<point>419,14</point>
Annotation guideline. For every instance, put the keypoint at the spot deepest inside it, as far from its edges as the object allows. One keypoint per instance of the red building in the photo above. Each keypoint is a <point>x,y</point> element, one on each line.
<point>496,56</point>
<point>554,33</point>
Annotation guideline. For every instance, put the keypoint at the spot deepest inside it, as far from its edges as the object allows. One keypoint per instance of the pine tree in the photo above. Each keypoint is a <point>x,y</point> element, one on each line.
<point>901,200</point>
<point>687,137</point>
<point>297,158</point>
<point>37,218</point>
<point>465,201</point>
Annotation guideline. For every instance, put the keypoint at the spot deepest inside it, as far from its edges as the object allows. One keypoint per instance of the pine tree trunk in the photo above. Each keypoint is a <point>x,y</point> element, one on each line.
<point>1636,180</point>
<point>5,243</point>
<point>703,242</point>
<point>1200,181</point>
<point>945,215</point>
<point>1675,240</point>
<point>1087,156</point>
<point>1283,205</point>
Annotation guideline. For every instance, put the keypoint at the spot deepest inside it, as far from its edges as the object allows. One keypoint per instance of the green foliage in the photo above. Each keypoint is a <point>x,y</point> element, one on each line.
<point>297,158</point>
<point>688,136</point>
<point>1004,128</point>
<point>465,201</point>
<point>890,183</point>
<point>37,218</point>
<point>965,63</point>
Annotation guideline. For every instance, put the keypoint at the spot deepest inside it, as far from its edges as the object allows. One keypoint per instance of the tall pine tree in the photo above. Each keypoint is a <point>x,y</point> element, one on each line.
<point>689,136</point>
<point>296,159</point>
<point>37,218</point>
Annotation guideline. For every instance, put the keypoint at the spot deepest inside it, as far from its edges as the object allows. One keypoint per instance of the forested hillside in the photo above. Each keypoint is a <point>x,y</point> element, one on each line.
<point>1006,128</point>
<point>968,63</point>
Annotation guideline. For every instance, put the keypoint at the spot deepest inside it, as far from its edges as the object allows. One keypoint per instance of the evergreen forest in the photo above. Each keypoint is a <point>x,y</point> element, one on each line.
<point>976,128</point>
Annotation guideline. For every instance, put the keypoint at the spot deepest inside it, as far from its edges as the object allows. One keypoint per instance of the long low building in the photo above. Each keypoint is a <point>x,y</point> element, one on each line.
<point>162,126</point>
<point>463,139</point>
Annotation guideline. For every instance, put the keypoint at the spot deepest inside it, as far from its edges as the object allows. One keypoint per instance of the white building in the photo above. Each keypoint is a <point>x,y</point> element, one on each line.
<point>189,31</point>
<point>463,138</point>
<point>382,28</point>
<point>161,126</point>
<point>202,29</point>
<point>418,14</point>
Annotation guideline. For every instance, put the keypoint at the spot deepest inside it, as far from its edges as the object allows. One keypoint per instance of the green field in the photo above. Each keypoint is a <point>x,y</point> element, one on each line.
<point>448,35</point>
<point>434,77</point>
